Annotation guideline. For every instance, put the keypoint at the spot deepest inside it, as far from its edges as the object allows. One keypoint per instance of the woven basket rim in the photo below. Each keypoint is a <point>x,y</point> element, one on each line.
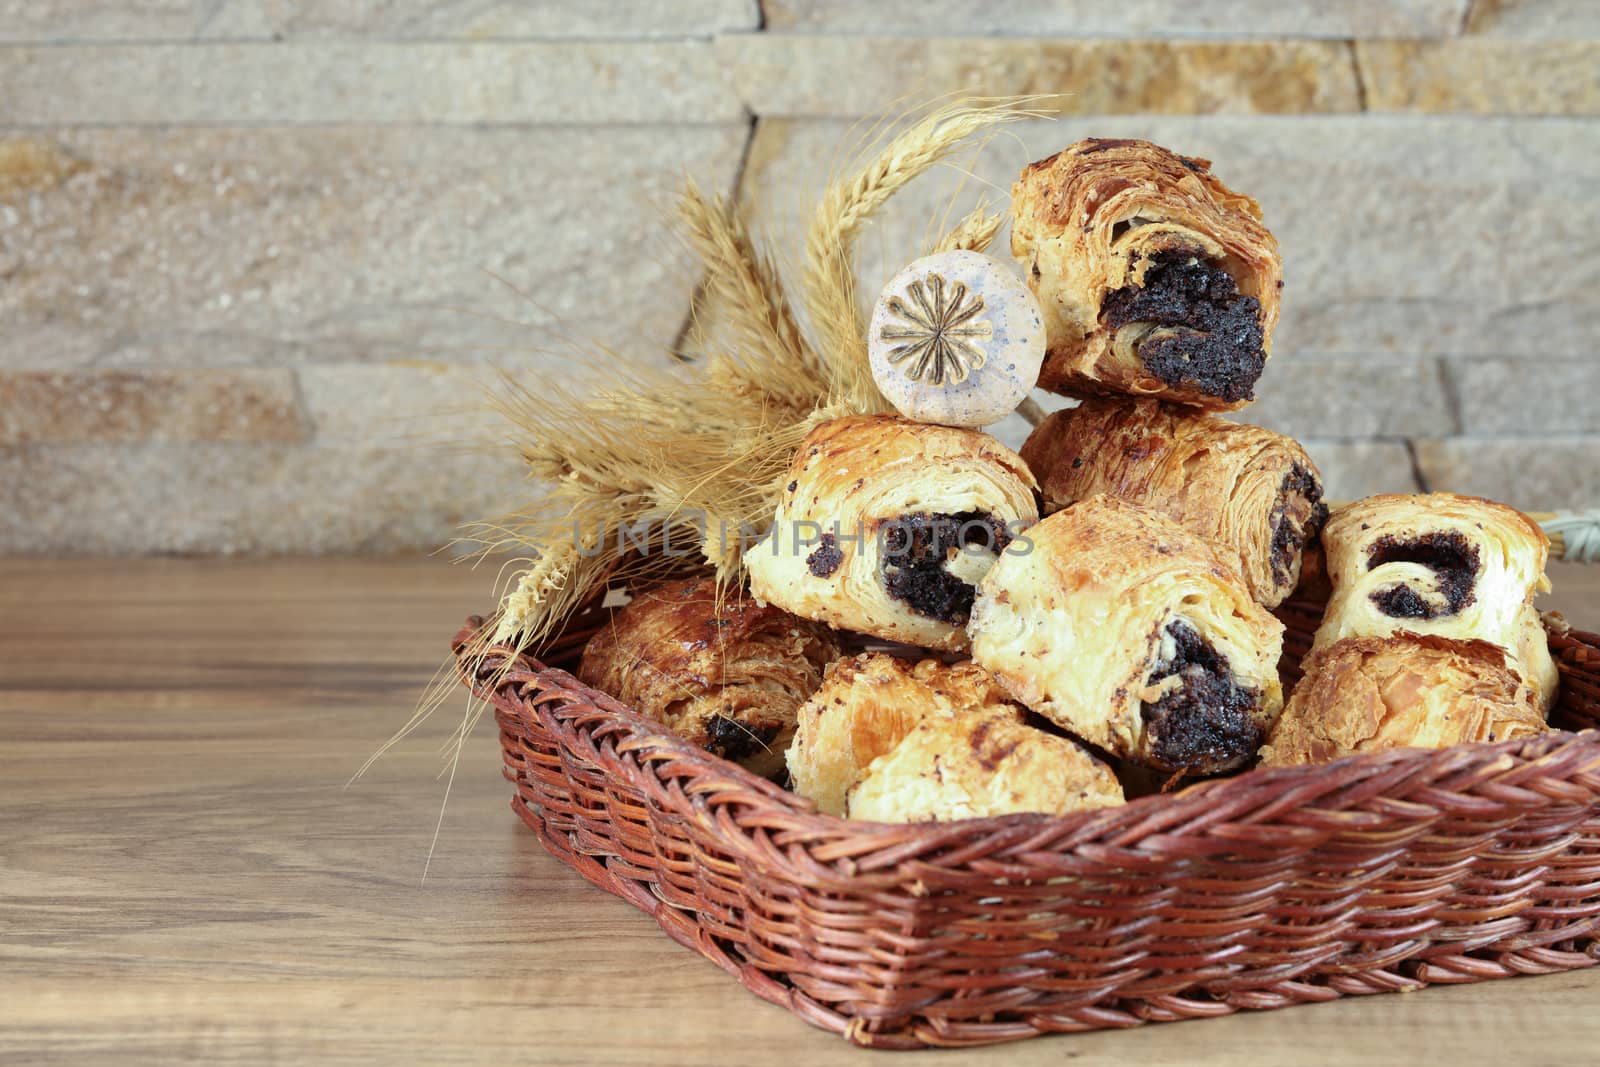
<point>1385,777</point>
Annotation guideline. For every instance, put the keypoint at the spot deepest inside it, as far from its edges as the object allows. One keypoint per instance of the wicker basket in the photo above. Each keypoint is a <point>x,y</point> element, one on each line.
<point>1379,873</point>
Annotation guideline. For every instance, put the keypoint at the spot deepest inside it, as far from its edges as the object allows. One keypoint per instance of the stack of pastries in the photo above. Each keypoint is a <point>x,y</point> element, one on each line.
<point>1100,603</point>
<point>1430,637</point>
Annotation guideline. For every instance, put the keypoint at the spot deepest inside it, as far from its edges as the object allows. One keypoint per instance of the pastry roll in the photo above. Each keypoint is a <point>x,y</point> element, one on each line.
<point>1367,694</point>
<point>866,705</point>
<point>886,525</point>
<point>1135,634</point>
<point>1453,566</point>
<point>1250,489</point>
<point>727,678</point>
<point>984,763</point>
<point>1154,277</point>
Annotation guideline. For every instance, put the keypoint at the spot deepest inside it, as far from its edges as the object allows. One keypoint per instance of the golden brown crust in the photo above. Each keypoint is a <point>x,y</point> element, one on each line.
<point>729,678</point>
<point>1136,635</point>
<point>866,705</point>
<point>856,541</point>
<point>1250,489</point>
<point>1453,566</point>
<point>982,763</point>
<point>1369,694</point>
<point>1109,216</point>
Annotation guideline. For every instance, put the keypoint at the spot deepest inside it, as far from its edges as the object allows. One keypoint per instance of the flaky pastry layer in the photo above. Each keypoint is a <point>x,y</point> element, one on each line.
<point>1369,694</point>
<point>727,678</point>
<point>980,764</point>
<point>1255,491</point>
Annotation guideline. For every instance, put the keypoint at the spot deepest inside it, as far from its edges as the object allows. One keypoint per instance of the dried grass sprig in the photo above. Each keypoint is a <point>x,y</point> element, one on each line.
<point>627,475</point>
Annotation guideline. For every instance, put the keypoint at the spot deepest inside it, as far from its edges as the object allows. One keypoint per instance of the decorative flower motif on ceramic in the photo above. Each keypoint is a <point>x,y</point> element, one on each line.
<point>957,339</point>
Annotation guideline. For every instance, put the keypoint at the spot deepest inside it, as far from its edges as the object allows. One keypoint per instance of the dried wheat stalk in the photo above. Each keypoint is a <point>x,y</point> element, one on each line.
<point>745,288</point>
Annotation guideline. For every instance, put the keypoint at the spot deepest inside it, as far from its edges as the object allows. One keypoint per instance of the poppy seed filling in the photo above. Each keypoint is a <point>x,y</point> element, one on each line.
<point>1293,526</point>
<point>1219,348</point>
<point>735,740</point>
<point>916,548</point>
<point>826,558</point>
<point>1206,723</point>
<point>1449,555</point>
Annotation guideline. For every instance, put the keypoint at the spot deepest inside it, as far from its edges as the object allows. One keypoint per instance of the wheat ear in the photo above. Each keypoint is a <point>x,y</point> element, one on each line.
<point>972,234</point>
<point>743,283</point>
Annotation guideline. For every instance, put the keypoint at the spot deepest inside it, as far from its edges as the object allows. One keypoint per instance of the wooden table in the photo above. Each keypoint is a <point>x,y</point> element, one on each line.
<point>184,875</point>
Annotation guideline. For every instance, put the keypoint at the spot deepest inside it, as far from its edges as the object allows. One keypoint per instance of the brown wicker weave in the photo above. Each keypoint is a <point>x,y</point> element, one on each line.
<point>1373,874</point>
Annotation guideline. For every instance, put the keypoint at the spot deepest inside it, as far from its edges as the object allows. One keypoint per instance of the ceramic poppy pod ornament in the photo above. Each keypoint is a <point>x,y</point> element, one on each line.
<point>957,339</point>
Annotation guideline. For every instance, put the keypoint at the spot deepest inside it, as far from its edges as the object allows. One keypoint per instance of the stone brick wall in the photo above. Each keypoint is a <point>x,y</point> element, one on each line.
<point>258,256</point>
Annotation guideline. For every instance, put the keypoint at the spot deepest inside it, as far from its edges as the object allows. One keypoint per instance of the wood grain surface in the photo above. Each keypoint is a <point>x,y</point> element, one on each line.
<point>184,876</point>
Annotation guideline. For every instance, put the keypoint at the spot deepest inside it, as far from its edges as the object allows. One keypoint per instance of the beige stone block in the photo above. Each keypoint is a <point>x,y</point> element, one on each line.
<point>1128,18</point>
<point>246,498</point>
<point>1482,76</point>
<point>793,75</point>
<point>141,20</point>
<point>182,20</point>
<point>1354,469</point>
<point>150,404</point>
<point>367,81</point>
<point>501,19</point>
<point>1563,20</point>
<point>396,402</point>
<point>1359,397</point>
<point>1400,235</point>
<point>418,401</point>
<point>1528,396</point>
<point>1534,474</point>
<point>180,247</point>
